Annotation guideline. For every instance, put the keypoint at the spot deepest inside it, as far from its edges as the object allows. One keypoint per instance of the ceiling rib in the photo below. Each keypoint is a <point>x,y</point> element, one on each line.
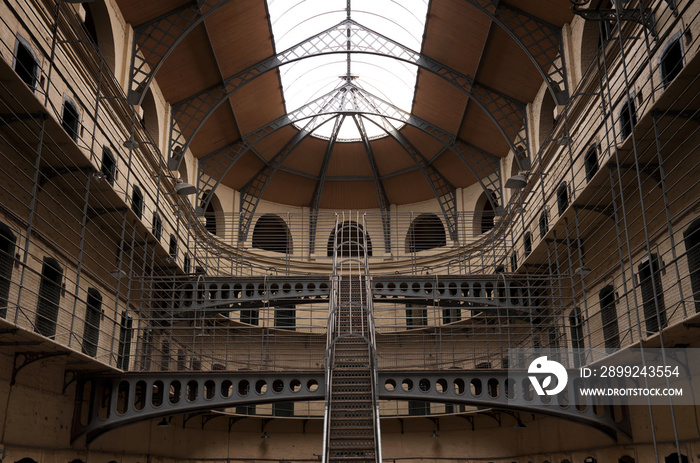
<point>318,190</point>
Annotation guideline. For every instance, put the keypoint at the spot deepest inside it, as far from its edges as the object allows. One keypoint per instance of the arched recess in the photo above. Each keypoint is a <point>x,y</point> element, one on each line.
<point>545,120</point>
<point>484,214</point>
<point>425,232</point>
<point>98,26</point>
<point>271,233</point>
<point>351,237</point>
<point>213,214</point>
<point>150,120</point>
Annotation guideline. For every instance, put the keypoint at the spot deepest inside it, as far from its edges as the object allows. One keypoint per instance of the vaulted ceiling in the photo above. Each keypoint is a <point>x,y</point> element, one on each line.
<point>237,36</point>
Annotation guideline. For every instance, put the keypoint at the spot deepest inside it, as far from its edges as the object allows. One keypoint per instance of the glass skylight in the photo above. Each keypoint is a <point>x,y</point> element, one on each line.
<point>303,81</point>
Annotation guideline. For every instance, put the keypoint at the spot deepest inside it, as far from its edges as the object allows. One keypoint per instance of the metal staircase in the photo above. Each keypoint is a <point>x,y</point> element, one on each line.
<point>351,428</point>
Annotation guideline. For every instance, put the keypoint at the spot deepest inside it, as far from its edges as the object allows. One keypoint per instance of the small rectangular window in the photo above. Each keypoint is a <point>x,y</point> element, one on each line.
<point>93,316</point>
<point>125,333</point>
<point>49,297</point>
<point>172,249</point>
<point>628,118</point>
<point>137,201</point>
<point>109,166</point>
<point>608,314</point>
<point>652,294</point>
<point>250,316</point>
<point>7,261</point>
<point>157,226</point>
<point>285,317</point>
<point>590,162</point>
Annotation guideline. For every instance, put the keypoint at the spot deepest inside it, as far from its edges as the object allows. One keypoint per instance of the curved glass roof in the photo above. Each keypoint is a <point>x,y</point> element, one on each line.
<point>387,78</point>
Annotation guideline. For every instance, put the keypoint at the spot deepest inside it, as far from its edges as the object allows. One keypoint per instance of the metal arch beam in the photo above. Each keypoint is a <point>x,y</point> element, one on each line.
<point>189,115</point>
<point>483,165</point>
<point>149,395</point>
<point>444,191</point>
<point>384,205</point>
<point>318,189</point>
<point>541,41</point>
<point>155,40</point>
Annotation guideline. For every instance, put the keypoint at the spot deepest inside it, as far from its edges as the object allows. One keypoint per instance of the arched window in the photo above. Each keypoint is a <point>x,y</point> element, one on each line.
<point>212,214</point>
<point>187,264</point>
<point>425,232</point>
<point>7,260</point>
<point>70,118</point>
<point>351,238</point>
<point>49,297</point>
<point>576,326</point>
<point>272,234</point>
<point>527,243</point>
<point>692,251</point>
<point>608,314</point>
<point>137,201</point>
<point>676,458</point>
<point>590,162</point>
<point>93,316</point>
<point>544,223</point>
<point>546,120</point>
<point>150,120</point>
<point>26,460</point>
<point>652,294</point>
<point>671,60</point>
<point>628,117</point>
<point>98,26</point>
<point>484,213</point>
<point>513,262</point>
<point>109,165</point>
<point>626,459</point>
<point>562,197</point>
<point>26,63</point>
<point>124,350</point>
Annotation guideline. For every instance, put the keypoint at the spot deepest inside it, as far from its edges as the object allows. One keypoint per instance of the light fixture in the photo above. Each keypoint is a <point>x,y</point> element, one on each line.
<point>97,177</point>
<point>517,182</point>
<point>563,140</point>
<point>435,434</point>
<point>583,271</point>
<point>131,144</point>
<point>164,423</point>
<point>499,211</point>
<point>519,424</point>
<point>264,436</point>
<point>118,274</point>
<point>170,260</point>
<point>184,189</point>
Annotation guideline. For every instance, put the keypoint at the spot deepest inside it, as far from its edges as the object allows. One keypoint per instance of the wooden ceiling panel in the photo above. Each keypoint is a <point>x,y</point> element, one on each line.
<point>290,189</point>
<point>507,69</point>
<point>269,146</point>
<point>439,102</point>
<point>478,129</point>
<point>455,34</point>
<point>428,145</point>
<point>554,12</point>
<point>217,131</point>
<point>258,103</point>
<point>349,159</point>
<point>389,156</point>
<point>454,170</point>
<point>349,195</point>
<point>137,12</point>
<point>399,193</point>
<point>245,169</point>
<point>240,35</point>
<point>308,156</point>
<point>190,68</point>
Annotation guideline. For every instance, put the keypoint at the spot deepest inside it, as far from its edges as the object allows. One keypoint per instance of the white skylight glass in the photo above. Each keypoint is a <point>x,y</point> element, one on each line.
<point>303,81</point>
